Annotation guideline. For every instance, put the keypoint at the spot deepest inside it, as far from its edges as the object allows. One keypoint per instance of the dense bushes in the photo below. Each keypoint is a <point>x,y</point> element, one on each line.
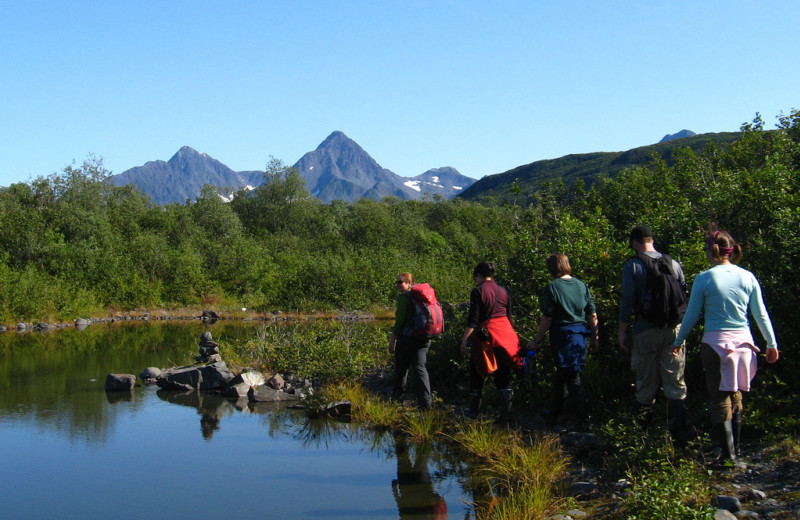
<point>72,243</point>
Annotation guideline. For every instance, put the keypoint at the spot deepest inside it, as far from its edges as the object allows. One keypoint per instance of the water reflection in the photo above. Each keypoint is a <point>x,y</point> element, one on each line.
<point>413,488</point>
<point>74,450</point>
<point>56,378</point>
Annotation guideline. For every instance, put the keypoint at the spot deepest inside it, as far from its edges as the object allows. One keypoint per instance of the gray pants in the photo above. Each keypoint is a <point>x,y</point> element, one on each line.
<point>655,366</point>
<point>412,353</point>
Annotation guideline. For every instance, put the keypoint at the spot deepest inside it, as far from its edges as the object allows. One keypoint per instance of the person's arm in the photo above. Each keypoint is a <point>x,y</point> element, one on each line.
<point>591,319</point>
<point>759,312</point>
<point>594,343</point>
<point>473,316</point>
<point>544,325</point>
<point>626,306</point>
<point>693,310</point>
<point>400,318</point>
<point>465,340</point>
<point>548,311</point>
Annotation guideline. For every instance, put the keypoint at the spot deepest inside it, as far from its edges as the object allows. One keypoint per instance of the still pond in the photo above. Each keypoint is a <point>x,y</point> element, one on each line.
<point>72,450</point>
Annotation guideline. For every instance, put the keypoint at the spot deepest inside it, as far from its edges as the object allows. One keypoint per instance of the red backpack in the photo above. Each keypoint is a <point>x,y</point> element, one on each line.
<point>428,320</point>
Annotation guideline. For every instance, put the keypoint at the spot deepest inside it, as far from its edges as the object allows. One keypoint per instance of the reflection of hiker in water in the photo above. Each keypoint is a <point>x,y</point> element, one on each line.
<point>413,489</point>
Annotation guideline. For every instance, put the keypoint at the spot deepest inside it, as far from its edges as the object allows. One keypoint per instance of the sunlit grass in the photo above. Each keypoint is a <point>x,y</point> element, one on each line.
<point>520,476</point>
<point>480,438</point>
<point>381,414</point>
<point>423,426</point>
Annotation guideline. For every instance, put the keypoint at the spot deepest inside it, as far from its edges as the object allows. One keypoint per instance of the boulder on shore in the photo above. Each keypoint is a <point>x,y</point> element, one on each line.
<point>120,382</point>
<point>265,394</point>
<point>205,377</point>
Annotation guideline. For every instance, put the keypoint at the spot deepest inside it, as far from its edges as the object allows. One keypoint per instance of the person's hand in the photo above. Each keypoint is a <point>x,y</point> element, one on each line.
<point>531,345</point>
<point>772,355</point>
<point>594,345</point>
<point>676,351</point>
<point>464,348</point>
<point>623,341</point>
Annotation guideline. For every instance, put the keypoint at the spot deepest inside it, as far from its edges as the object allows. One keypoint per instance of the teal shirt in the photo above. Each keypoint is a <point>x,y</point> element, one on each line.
<point>567,301</point>
<point>724,294</point>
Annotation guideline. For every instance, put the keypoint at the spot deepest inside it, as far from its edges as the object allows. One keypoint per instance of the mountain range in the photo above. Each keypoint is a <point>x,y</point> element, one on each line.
<point>338,169</point>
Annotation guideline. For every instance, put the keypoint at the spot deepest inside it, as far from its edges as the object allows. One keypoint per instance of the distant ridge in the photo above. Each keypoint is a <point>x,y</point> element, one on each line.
<point>338,169</point>
<point>583,167</point>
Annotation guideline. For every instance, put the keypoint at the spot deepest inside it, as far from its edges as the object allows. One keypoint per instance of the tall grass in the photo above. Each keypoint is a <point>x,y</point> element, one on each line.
<point>325,350</point>
<point>519,475</point>
<point>424,426</point>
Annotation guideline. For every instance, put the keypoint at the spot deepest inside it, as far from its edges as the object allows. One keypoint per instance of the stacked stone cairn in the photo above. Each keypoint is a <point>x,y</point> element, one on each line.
<point>209,372</point>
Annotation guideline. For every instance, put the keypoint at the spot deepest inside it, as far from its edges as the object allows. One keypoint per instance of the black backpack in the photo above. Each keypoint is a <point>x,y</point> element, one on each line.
<point>665,298</point>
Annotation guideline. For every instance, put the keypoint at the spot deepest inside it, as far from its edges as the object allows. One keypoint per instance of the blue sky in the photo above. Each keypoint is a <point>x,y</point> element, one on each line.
<point>482,86</point>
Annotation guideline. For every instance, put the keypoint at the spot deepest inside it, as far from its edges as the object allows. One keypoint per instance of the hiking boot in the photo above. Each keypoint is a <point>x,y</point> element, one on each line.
<point>676,410</point>
<point>723,432</point>
<point>737,433</point>
<point>474,405</point>
<point>506,400</point>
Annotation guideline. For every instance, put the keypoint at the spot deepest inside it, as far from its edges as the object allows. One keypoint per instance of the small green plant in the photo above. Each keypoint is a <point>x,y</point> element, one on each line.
<point>669,491</point>
<point>665,483</point>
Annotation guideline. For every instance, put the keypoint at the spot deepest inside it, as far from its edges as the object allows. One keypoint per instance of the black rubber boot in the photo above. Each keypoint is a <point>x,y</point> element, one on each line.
<point>676,410</point>
<point>506,400</point>
<point>474,404</point>
<point>737,433</point>
<point>724,434</point>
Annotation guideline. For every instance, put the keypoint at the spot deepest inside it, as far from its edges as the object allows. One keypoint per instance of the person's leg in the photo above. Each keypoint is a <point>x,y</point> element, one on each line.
<point>671,368</point>
<point>575,395</point>
<point>502,380</point>
<point>402,360</point>
<point>560,393</point>
<point>423,384</point>
<point>475,391</point>
<point>644,363</point>
<point>719,404</point>
<point>737,418</point>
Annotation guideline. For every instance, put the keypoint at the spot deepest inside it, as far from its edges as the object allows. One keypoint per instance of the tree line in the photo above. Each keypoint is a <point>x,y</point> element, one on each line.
<point>73,245</point>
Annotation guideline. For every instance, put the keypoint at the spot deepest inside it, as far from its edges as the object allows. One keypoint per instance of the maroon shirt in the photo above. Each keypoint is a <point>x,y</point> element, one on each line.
<point>486,301</point>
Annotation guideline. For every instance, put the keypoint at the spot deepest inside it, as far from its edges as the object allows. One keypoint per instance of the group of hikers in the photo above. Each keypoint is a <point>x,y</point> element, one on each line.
<point>654,291</point>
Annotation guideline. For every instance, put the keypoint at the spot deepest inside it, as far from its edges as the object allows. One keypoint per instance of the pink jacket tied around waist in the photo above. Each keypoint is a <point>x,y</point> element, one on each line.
<point>738,363</point>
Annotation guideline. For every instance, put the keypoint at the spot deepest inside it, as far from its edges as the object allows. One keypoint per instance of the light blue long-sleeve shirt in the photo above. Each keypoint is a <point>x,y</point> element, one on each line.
<point>724,294</point>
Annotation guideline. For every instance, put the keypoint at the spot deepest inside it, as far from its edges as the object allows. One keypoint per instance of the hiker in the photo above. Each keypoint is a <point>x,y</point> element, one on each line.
<point>656,359</point>
<point>569,313</point>
<point>724,294</point>
<point>409,351</point>
<point>491,340</point>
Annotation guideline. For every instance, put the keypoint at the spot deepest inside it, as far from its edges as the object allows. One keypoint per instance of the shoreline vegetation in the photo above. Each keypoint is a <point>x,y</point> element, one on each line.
<point>200,314</point>
<point>72,245</point>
